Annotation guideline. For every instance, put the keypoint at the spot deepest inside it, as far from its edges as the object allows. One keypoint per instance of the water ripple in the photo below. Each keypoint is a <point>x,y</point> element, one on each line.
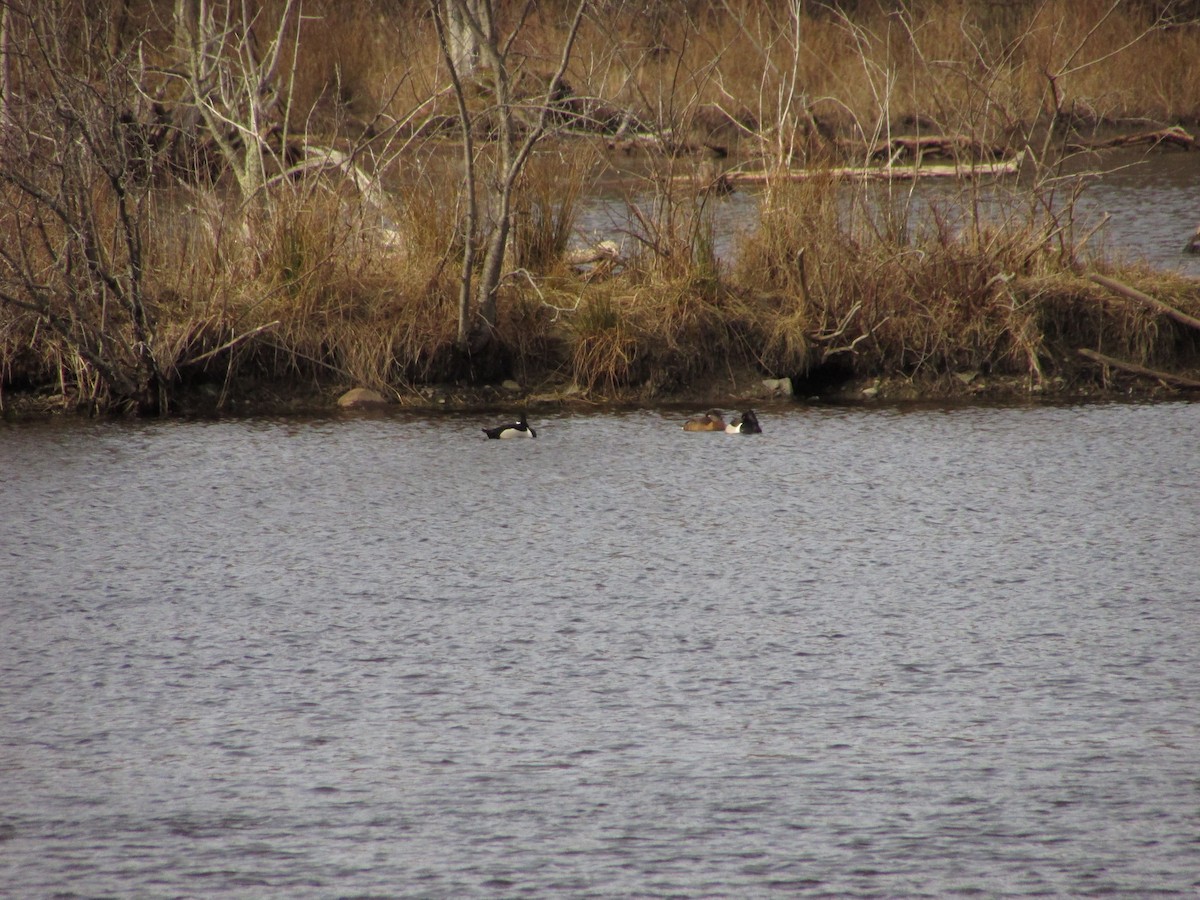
<point>921,652</point>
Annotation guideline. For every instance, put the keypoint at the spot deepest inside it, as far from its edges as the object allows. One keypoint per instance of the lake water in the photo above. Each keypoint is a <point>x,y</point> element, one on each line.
<point>872,652</point>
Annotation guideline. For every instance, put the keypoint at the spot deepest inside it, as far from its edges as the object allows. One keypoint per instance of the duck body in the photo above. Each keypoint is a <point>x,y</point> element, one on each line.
<point>518,429</point>
<point>710,421</point>
<point>746,423</point>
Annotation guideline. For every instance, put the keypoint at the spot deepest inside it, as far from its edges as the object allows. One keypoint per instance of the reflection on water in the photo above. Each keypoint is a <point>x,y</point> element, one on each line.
<point>1147,207</point>
<point>868,653</point>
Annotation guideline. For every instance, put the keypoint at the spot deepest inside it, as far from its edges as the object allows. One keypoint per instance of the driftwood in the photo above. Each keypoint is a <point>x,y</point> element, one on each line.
<point>605,251</point>
<point>1146,300</point>
<point>883,173</point>
<point>1174,135</point>
<point>666,146</point>
<point>952,146</point>
<point>316,158</point>
<point>1135,369</point>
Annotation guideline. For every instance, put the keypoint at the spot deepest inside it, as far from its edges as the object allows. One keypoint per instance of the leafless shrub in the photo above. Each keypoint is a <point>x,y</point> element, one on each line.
<point>75,173</point>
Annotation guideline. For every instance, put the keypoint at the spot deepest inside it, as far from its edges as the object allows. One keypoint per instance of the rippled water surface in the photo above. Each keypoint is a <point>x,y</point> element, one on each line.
<point>869,653</point>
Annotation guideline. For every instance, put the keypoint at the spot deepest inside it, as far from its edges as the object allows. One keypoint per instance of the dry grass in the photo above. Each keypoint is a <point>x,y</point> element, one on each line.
<point>547,204</point>
<point>335,293</point>
<point>315,282</point>
<point>888,293</point>
<point>653,337</point>
<point>966,66</point>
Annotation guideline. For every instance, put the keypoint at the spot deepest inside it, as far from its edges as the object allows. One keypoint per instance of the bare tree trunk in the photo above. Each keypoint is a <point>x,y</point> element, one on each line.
<point>471,220</point>
<point>462,40</point>
<point>234,85</point>
<point>477,15</point>
<point>115,27</point>
<point>5,65</point>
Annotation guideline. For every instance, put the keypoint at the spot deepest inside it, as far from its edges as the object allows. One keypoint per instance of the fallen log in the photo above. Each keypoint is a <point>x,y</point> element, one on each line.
<point>951,146</point>
<point>1146,300</point>
<point>880,173</point>
<point>1135,369</point>
<point>666,146</point>
<point>1174,135</point>
<point>317,158</point>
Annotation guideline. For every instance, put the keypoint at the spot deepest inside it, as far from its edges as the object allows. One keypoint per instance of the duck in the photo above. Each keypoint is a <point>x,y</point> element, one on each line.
<point>710,421</point>
<point>517,429</point>
<point>746,423</point>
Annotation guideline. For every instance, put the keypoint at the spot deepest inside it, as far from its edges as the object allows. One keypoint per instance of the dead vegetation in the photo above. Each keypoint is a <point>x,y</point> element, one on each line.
<point>191,203</point>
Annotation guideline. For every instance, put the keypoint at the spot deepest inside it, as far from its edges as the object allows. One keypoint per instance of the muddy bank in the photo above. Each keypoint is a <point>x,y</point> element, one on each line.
<point>281,400</point>
<point>733,390</point>
<point>745,388</point>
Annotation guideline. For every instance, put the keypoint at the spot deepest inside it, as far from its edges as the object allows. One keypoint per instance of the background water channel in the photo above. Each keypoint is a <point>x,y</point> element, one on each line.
<point>886,652</point>
<point>1134,206</point>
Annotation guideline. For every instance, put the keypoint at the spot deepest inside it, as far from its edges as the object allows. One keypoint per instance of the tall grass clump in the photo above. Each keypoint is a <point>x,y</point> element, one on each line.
<point>780,262</point>
<point>604,344</point>
<point>366,296</point>
<point>878,289</point>
<point>320,285</point>
<point>646,337</point>
<point>546,206</point>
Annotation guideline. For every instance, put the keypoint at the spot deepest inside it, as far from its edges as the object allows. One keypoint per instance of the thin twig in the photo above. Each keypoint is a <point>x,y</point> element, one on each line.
<point>237,340</point>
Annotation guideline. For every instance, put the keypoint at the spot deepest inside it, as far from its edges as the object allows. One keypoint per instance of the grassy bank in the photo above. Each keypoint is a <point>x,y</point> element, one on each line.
<point>158,249</point>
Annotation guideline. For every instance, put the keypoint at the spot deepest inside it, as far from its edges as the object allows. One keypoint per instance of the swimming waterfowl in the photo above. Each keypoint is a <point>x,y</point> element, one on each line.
<point>746,423</point>
<point>710,421</point>
<point>517,429</point>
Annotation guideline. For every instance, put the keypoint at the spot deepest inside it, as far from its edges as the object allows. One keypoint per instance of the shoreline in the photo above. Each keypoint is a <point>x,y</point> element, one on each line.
<point>741,390</point>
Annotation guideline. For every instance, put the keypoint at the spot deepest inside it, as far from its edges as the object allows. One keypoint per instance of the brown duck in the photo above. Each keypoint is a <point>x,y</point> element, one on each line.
<point>710,421</point>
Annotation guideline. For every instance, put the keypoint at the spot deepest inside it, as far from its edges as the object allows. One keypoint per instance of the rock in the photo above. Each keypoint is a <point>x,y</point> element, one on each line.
<point>361,398</point>
<point>511,386</point>
<point>966,377</point>
<point>872,391</point>
<point>778,387</point>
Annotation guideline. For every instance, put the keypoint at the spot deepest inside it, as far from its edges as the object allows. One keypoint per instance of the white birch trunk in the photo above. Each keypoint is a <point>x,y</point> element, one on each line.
<point>462,38</point>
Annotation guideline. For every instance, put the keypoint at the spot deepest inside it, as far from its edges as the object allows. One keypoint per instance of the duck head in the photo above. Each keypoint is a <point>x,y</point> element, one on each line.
<point>746,423</point>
